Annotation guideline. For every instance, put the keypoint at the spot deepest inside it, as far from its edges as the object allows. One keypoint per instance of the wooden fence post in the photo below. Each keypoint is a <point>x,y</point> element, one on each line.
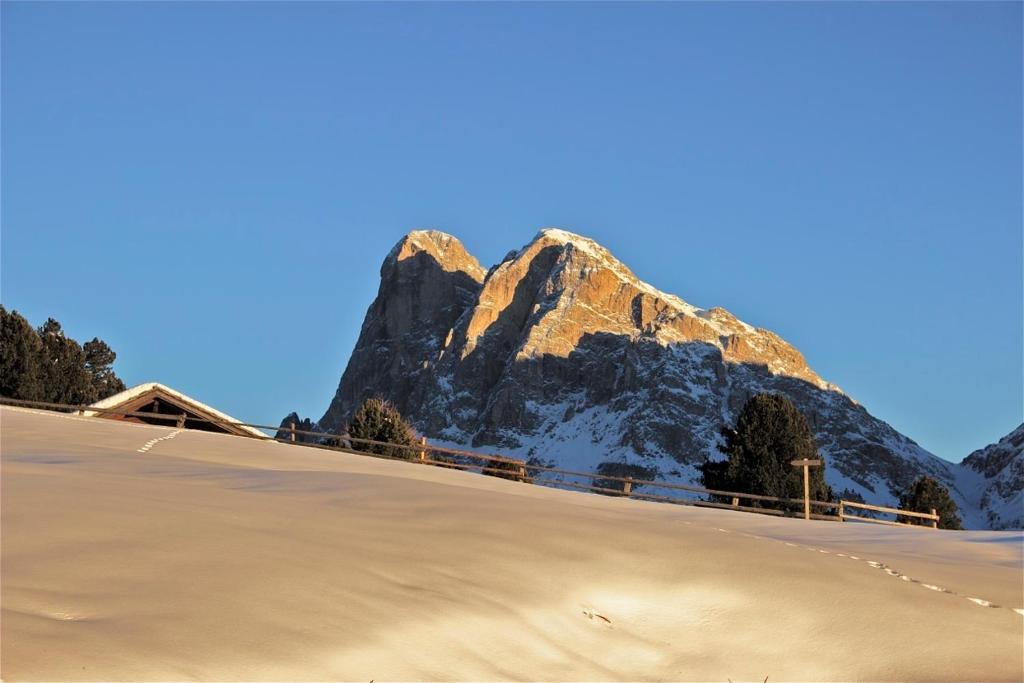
<point>735,501</point>
<point>181,421</point>
<point>423,452</point>
<point>806,463</point>
<point>522,473</point>
<point>841,518</point>
<point>935,522</point>
<point>291,428</point>
<point>627,487</point>
<point>807,493</point>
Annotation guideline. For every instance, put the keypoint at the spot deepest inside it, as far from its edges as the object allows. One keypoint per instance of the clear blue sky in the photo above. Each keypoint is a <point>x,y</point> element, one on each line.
<point>211,187</point>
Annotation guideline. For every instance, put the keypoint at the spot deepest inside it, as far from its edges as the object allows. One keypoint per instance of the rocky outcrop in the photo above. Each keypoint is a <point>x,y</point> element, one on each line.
<point>562,354</point>
<point>304,425</point>
<point>427,282</point>
<point>1000,483</point>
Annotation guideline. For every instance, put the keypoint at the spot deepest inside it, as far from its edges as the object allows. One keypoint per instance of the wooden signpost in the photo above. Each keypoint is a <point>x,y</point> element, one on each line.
<point>806,464</point>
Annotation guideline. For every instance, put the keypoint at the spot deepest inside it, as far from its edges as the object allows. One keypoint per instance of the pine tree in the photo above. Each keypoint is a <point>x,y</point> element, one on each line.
<point>769,433</point>
<point>98,361</point>
<point>925,494</point>
<point>378,420</point>
<point>65,379</point>
<point>46,365</point>
<point>21,353</point>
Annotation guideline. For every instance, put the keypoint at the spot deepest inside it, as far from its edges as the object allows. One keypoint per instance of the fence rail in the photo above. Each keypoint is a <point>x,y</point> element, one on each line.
<point>518,469</point>
<point>932,517</point>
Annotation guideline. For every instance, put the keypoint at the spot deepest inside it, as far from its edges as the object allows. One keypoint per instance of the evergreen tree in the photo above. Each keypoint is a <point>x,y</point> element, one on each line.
<point>769,433</point>
<point>925,494</point>
<point>21,354</point>
<point>45,365</point>
<point>98,361</point>
<point>65,379</point>
<point>378,420</point>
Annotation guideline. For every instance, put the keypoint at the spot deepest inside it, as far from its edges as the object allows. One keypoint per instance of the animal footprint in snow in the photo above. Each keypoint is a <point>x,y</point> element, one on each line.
<point>591,614</point>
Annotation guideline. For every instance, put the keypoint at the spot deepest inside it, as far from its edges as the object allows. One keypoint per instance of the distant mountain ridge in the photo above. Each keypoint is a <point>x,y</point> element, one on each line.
<point>1000,486</point>
<point>561,354</point>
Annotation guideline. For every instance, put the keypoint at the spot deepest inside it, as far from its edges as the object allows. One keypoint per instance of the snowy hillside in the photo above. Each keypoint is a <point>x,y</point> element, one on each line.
<point>993,477</point>
<point>216,557</point>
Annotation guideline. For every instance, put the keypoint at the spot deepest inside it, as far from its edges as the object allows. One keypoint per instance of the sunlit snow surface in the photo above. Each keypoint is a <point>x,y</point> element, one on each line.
<point>215,557</point>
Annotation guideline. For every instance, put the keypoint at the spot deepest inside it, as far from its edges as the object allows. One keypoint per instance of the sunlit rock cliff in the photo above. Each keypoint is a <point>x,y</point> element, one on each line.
<point>561,354</point>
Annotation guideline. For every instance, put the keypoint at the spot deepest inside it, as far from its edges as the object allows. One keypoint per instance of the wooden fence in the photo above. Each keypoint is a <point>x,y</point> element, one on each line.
<point>511,468</point>
<point>932,518</point>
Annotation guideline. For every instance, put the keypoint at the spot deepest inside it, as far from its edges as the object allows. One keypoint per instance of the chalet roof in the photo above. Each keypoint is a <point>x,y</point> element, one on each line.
<point>128,395</point>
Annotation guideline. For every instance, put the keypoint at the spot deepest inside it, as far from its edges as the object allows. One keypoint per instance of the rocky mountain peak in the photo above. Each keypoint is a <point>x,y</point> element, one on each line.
<point>427,281</point>
<point>563,286</point>
<point>446,250</point>
<point>581,243</point>
<point>993,458</point>
<point>561,353</point>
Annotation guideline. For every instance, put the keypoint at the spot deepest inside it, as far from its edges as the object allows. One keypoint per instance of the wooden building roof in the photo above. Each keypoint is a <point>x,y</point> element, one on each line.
<point>153,397</point>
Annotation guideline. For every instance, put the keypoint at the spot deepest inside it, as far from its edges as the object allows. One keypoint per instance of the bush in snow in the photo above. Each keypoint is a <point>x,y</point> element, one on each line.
<point>378,420</point>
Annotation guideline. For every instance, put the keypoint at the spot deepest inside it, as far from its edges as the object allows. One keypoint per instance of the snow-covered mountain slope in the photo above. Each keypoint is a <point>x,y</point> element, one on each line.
<point>560,353</point>
<point>993,479</point>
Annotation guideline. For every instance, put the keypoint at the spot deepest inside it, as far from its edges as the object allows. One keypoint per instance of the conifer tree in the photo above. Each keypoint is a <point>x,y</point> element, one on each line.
<point>65,379</point>
<point>20,358</point>
<point>45,365</point>
<point>98,361</point>
<point>926,494</point>
<point>769,433</point>
<point>378,420</point>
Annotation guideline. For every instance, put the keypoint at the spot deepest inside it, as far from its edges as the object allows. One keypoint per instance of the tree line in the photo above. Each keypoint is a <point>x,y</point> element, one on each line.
<point>43,364</point>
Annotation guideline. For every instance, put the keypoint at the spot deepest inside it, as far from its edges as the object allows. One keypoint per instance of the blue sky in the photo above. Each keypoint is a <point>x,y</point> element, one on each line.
<point>211,187</point>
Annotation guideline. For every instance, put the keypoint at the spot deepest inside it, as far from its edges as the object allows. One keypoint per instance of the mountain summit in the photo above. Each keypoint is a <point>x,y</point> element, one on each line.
<point>427,281</point>
<point>561,354</point>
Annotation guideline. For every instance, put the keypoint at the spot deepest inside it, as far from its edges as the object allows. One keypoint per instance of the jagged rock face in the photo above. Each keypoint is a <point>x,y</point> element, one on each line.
<point>562,354</point>
<point>305,425</point>
<point>1001,466</point>
<point>427,281</point>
